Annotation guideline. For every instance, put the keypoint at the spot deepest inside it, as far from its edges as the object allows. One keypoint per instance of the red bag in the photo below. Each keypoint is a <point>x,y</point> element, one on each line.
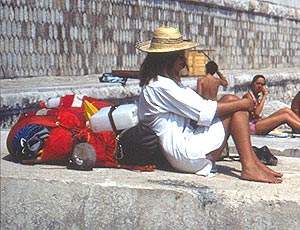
<point>66,127</point>
<point>65,124</point>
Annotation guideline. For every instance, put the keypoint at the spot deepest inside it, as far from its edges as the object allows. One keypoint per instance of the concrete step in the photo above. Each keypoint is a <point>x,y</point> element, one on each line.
<point>53,197</point>
<point>279,146</point>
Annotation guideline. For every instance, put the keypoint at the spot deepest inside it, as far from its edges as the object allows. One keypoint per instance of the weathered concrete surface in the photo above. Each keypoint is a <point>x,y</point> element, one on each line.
<point>30,90</point>
<point>283,84</point>
<point>52,197</point>
<point>43,197</point>
<point>280,146</point>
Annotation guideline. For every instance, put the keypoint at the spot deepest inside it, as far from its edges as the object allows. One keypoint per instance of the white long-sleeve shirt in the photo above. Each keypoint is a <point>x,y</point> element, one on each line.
<point>168,108</point>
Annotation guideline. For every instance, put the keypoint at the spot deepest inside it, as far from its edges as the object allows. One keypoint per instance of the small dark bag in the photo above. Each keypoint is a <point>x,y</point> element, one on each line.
<point>139,145</point>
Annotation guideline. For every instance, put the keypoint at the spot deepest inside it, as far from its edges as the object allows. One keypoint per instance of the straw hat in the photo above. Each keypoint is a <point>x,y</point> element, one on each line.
<point>166,39</point>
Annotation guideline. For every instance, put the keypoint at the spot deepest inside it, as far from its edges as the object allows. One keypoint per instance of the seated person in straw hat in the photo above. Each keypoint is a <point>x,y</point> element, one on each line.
<point>167,106</point>
<point>208,86</point>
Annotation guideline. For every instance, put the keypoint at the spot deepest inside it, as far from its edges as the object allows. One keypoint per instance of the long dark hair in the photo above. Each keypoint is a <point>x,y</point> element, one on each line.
<point>156,63</point>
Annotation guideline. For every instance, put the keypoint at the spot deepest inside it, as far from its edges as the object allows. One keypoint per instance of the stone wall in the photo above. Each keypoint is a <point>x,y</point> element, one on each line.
<point>80,37</point>
<point>291,3</point>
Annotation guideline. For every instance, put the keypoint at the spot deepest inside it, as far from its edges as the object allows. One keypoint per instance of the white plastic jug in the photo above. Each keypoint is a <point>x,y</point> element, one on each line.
<point>53,102</point>
<point>124,117</point>
<point>50,103</point>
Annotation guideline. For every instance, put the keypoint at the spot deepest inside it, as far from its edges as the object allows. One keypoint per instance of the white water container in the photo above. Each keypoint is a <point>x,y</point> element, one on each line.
<point>51,103</point>
<point>124,117</point>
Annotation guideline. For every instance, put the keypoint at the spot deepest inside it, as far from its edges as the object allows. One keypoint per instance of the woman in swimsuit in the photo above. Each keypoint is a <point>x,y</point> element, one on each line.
<point>259,125</point>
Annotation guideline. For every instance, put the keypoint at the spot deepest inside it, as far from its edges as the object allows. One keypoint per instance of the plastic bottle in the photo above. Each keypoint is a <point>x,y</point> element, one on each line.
<point>124,117</point>
<point>51,103</point>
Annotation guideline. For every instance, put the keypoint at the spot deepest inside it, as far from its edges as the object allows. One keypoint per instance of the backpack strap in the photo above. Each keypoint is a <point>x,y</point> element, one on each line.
<point>113,125</point>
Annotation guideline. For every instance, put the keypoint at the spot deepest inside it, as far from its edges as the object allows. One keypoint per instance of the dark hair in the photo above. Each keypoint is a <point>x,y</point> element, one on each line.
<point>256,77</point>
<point>211,67</point>
<point>155,63</point>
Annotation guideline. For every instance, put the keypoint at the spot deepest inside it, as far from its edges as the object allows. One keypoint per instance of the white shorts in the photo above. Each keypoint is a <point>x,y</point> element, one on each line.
<point>190,165</point>
<point>190,154</point>
<point>205,140</point>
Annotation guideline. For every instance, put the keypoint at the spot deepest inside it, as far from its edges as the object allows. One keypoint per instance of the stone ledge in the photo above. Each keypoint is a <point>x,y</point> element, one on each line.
<point>255,6</point>
<point>279,146</point>
<point>18,94</point>
<point>31,90</point>
<point>45,196</point>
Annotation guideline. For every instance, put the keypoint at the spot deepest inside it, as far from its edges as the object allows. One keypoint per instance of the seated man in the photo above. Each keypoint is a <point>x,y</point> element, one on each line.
<point>208,86</point>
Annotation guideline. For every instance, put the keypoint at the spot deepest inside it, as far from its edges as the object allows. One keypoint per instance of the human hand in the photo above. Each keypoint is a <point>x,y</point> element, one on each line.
<point>264,91</point>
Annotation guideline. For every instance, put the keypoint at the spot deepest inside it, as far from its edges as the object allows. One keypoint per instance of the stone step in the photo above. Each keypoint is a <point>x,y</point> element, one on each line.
<point>53,197</point>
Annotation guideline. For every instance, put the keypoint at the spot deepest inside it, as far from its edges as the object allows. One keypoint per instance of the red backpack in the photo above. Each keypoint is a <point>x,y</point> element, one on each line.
<point>49,136</point>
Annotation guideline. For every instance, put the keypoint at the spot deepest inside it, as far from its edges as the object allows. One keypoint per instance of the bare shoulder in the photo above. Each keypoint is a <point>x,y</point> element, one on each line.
<point>215,80</point>
<point>210,78</point>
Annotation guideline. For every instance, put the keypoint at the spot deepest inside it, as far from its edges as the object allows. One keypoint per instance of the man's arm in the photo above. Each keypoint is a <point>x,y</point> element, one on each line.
<point>223,79</point>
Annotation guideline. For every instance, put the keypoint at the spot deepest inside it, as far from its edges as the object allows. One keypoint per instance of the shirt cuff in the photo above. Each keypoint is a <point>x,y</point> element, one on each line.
<point>206,116</point>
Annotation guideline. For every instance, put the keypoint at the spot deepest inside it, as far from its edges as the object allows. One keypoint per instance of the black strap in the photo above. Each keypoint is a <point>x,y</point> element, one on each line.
<point>113,125</point>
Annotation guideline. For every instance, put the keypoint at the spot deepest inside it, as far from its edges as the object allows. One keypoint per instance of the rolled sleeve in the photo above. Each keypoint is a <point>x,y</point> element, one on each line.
<point>168,97</point>
<point>206,116</point>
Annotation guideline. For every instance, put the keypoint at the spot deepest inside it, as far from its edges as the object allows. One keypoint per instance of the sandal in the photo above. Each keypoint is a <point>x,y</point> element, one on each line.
<point>270,158</point>
<point>260,154</point>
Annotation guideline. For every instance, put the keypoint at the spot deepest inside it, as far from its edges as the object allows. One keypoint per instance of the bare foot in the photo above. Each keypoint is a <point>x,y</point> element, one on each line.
<point>272,172</point>
<point>255,173</point>
<point>267,169</point>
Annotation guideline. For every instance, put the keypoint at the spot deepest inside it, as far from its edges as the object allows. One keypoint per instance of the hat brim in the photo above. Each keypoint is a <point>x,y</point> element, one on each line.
<point>165,48</point>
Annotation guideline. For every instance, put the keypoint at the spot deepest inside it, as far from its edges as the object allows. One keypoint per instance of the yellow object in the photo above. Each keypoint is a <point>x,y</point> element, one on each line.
<point>89,110</point>
<point>276,132</point>
<point>195,61</point>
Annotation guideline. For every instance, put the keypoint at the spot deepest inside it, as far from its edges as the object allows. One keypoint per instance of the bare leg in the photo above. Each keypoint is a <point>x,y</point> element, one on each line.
<point>252,168</point>
<point>283,116</point>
